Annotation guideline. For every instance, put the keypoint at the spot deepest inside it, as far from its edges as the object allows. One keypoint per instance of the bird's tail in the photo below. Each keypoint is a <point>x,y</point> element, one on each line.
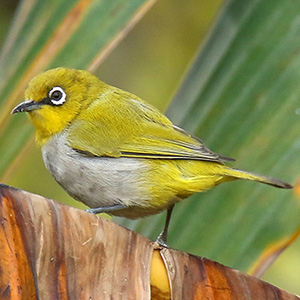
<point>239,174</point>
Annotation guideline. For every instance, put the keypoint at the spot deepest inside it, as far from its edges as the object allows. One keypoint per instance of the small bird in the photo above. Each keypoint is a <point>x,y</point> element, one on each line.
<point>115,152</point>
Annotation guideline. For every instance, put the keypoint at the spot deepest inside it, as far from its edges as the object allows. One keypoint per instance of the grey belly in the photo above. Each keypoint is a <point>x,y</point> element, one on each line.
<point>96,181</point>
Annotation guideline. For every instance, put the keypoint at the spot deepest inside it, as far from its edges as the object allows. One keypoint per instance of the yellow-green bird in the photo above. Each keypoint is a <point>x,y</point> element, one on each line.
<point>115,152</point>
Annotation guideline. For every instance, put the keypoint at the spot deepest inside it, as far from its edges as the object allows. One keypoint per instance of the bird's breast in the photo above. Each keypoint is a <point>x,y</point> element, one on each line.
<point>97,181</point>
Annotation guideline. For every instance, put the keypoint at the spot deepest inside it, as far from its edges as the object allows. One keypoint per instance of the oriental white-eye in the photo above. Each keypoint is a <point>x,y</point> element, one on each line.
<point>115,152</point>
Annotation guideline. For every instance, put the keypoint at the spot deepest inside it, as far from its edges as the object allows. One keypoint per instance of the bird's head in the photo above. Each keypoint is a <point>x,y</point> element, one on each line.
<point>56,97</point>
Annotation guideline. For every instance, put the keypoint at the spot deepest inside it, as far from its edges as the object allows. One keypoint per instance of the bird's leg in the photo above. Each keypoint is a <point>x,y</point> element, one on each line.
<point>106,209</point>
<point>163,236</point>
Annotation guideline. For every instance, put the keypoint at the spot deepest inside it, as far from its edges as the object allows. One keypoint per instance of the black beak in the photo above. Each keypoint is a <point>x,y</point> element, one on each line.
<point>26,106</point>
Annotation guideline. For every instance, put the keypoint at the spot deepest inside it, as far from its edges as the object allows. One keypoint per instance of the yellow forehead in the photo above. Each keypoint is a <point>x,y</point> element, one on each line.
<point>67,79</point>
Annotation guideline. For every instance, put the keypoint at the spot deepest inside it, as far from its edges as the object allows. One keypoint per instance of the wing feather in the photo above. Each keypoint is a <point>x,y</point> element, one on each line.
<point>122,125</point>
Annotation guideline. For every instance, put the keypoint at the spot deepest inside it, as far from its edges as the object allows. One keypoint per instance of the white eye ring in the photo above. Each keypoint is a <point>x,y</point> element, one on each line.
<point>59,98</point>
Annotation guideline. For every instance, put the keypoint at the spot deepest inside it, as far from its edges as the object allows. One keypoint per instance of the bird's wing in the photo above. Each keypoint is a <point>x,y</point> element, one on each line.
<point>121,125</point>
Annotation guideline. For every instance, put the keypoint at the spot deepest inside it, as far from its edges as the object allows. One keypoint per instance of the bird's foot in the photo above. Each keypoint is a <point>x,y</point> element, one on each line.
<point>162,240</point>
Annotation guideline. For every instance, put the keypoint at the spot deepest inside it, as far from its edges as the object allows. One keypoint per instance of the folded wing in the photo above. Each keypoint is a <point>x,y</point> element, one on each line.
<point>122,125</point>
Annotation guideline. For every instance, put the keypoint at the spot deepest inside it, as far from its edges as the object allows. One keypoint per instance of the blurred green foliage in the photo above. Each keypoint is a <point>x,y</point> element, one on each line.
<point>7,9</point>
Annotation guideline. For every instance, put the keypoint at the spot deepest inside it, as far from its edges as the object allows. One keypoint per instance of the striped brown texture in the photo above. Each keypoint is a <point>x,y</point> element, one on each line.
<point>52,251</point>
<point>195,277</point>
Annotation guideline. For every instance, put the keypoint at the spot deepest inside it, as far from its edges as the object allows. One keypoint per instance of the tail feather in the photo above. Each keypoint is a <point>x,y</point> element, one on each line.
<point>235,173</point>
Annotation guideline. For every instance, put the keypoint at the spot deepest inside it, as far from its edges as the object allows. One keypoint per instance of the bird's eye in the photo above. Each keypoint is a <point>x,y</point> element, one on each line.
<point>57,96</point>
